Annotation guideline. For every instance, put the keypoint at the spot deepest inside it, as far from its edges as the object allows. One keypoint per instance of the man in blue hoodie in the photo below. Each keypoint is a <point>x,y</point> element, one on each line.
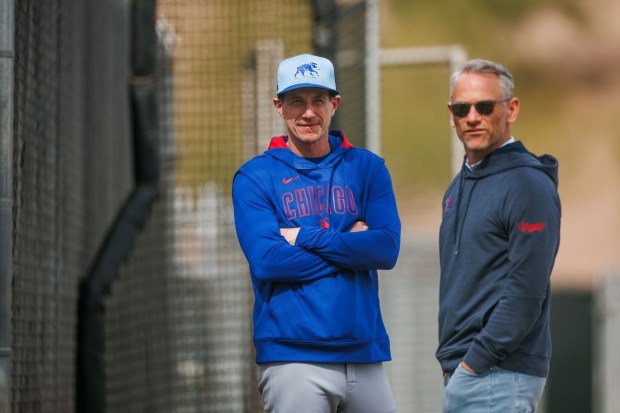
<point>316,218</point>
<point>498,239</point>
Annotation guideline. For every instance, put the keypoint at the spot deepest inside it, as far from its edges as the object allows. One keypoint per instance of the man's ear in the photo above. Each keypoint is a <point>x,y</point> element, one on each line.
<point>513,110</point>
<point>451,117</point>
<point>335,103</point>
<point>278,104</point>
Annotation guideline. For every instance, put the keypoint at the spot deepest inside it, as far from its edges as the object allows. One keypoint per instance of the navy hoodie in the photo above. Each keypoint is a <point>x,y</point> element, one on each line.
<point>499,236</point>
<point>317,301</point>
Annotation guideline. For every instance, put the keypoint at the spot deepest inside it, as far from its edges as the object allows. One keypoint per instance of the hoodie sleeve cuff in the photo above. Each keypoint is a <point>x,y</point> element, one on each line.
<point>477,361</point>
<point>304,238</point>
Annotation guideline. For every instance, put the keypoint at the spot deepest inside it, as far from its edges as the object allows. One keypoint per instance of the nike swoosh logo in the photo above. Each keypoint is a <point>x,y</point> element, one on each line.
<point>289,180</point>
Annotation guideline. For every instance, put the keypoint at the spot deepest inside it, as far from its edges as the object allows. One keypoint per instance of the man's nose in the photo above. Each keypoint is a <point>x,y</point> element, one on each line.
<point>473,115</point>
<point>309,111</point>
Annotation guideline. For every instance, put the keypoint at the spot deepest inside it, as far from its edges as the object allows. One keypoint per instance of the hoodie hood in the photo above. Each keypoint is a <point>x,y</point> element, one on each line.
<point>279,149</point>
<point>511,156</point>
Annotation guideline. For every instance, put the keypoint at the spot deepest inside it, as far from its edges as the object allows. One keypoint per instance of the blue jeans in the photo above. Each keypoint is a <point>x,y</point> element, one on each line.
<point>496,391</point>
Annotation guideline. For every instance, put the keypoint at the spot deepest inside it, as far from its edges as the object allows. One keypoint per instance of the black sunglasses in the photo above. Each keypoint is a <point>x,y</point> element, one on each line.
<point>484,107</point>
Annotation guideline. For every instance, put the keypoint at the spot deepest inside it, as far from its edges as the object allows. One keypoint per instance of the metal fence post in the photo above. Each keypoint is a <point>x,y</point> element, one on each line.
<point>454,55</point>
<point>6,196</point>
<point>606,375</point>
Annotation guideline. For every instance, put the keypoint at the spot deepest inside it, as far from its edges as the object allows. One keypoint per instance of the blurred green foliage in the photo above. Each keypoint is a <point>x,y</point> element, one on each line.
<point>415,123</point>
<point>415,129</point>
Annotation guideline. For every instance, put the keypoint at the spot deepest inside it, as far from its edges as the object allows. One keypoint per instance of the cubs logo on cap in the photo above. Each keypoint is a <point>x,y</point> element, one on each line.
<point>306,70</point>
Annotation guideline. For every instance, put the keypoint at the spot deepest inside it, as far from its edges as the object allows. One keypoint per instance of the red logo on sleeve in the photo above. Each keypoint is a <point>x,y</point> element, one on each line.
<point>527,227</point>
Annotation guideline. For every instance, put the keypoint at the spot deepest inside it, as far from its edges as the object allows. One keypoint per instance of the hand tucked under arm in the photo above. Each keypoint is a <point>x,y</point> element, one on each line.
<point>359,226</point>
<point>290,234</point>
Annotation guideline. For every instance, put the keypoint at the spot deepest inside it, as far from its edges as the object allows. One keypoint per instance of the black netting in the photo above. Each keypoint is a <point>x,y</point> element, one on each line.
<point>49,248</point>
<point>177,319</point>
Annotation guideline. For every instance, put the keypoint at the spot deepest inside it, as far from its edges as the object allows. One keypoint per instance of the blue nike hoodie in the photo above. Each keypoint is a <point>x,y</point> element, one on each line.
<point>499,237</point>
<point>317,301</point>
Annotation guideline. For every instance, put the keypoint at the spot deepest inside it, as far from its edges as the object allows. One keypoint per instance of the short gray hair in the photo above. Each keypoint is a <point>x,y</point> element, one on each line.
<point>486,66</point>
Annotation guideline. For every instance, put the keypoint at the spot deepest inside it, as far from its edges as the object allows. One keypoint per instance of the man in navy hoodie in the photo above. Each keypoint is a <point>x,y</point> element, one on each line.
<point>498,239</point>
<point>316,218</point>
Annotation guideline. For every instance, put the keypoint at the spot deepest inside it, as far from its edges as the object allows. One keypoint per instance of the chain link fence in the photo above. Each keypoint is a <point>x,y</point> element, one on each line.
<point>177,318</point>
<point>176,321</point>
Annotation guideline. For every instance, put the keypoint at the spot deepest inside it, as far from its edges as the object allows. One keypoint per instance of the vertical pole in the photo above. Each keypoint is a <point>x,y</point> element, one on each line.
<point>457,57</point>
<point>454,55</point>
<point>269,53</point>
<point>606,374</point>
<point>373,78</point>
<point>7,58</point>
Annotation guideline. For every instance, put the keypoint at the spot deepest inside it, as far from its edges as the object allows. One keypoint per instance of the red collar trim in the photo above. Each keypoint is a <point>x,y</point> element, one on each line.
<point>279,142</point>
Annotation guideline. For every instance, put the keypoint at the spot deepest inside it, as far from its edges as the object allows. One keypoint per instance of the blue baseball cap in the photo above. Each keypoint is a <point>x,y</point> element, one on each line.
<point>306,70</point>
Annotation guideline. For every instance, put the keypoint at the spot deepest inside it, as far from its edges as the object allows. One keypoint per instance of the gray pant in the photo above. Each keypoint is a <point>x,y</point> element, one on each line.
<point>325,388</point>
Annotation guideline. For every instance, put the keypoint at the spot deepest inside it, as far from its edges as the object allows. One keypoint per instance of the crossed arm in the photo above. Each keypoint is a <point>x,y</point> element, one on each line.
<point>308,253</point>
<point>371,243</point>
<point>290,234</point>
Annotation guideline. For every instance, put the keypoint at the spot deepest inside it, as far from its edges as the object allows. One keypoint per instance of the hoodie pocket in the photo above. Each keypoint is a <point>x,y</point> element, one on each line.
<point>344,307</point>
